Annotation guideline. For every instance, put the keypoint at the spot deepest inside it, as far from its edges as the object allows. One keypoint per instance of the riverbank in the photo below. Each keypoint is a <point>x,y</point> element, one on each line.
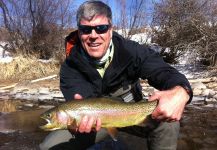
<point>47,89</point>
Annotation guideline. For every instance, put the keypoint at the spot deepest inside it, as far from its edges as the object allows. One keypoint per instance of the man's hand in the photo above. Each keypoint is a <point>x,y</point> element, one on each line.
<point>171,104</point>
<point>87,122</point>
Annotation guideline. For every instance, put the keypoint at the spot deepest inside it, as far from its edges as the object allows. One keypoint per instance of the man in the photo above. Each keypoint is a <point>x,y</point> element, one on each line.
<point>102,63</point>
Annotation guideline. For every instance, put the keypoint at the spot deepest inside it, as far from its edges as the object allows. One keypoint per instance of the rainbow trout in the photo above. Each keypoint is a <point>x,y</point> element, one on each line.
<point>112,113</point>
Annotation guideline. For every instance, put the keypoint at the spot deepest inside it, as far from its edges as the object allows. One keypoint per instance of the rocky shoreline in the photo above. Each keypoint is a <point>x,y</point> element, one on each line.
<point>48,90</point>
<point>43,90</point>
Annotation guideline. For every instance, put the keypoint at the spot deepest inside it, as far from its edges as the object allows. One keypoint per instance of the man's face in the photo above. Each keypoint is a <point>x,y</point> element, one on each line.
<point>95,43</point>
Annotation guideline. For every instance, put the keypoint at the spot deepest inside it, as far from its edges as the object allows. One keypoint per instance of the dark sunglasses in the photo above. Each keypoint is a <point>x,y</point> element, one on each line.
<point>100,29</point>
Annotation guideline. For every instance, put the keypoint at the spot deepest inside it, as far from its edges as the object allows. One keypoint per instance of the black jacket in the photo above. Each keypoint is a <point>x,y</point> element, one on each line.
<point>130,62</point>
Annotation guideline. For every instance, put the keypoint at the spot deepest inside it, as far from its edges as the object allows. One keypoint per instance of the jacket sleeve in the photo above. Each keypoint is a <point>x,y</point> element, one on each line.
<point>160,75</point>
<point>73,82</point>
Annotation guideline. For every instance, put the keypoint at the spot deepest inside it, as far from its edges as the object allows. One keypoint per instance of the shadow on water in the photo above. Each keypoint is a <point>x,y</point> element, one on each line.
<point>19,129</point>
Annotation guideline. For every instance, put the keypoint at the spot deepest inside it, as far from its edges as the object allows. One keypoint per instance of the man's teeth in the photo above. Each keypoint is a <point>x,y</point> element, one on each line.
<point>94,45</point>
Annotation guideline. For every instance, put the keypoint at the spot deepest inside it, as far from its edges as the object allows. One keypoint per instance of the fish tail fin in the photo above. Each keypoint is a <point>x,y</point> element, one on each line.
<point>113,133</point>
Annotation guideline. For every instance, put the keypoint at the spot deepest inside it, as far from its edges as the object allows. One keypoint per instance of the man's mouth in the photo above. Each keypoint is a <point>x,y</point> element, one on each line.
<point>94,44</point>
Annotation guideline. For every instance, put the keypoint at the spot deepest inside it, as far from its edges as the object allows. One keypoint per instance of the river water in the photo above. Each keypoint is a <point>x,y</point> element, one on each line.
<point>19,129</point>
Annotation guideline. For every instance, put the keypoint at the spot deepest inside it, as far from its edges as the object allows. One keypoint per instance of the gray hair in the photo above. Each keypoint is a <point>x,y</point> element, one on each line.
<point>90,9</point>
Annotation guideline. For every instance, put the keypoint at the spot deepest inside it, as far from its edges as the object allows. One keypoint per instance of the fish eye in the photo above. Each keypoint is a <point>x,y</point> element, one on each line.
<point>48,115</point>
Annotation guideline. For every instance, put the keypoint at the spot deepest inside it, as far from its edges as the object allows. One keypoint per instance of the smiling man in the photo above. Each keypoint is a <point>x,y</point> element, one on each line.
<point>95,36</point>
<point>102,63</point>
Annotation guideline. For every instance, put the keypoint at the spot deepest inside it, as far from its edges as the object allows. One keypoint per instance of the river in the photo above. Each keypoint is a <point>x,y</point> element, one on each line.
<point>19,129</point>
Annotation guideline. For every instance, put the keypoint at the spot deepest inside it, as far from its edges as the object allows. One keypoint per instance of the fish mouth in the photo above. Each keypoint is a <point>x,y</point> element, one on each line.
<point>47,125</point>
<point>44,123</point>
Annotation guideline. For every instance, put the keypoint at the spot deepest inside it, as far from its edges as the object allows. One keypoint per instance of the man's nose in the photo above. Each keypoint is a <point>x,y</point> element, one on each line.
<point>93,34</point>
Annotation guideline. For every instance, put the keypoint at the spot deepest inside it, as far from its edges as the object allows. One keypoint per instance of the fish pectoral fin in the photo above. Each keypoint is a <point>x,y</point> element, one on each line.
<point>113,133</point>
<point>72,125</point>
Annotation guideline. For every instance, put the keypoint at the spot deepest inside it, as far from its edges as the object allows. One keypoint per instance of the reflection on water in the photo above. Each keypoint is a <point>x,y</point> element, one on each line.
<point>9,105</point>
<point>24,121</point>
<point>19,126</point>
<point>13,117</point>
<point>199,128</point>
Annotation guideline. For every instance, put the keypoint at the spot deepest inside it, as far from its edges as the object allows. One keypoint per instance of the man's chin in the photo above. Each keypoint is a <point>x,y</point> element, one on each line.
<point>96,55</point>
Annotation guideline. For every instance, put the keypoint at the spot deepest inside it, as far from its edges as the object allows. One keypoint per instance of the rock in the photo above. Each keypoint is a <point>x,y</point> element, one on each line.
<point>208,100</point>
<point>20,89</point>
<point>33,97</point>
<point>28,105</point>
<point>210,106</point>
<point>46,106</point>
<point>212,84</point>
<point>3,91</point>
<point>18,96</point>
<point>197,91</point>
<point>32,91</point>
<point>212,93</point>
<point>59,99</point>
<point>205,92</point>
<point>44,91</point>
<point>215,96</point>
<point>27,96</point>
<point>202,80</point>
<point>57,94</point>
<point>198,85</point>
<point>56,89</point>
<point>197,100</point>
<point>44,97</point>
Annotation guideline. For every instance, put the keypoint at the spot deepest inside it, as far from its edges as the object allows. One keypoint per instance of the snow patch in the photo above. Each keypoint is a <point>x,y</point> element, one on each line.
<point>4,55</point>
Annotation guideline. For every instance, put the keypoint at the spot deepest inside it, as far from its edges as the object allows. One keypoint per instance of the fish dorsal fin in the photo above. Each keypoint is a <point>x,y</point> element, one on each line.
<point>113,133</point>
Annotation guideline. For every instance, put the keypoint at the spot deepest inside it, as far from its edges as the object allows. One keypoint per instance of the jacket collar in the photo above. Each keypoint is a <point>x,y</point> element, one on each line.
<point>70,41</point>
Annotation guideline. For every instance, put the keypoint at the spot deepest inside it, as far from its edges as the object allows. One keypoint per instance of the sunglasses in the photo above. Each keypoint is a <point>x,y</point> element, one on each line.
<point>100,29</point>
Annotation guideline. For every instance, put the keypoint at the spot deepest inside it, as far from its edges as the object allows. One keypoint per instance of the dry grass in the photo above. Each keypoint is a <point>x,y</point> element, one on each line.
<point>26,68</point>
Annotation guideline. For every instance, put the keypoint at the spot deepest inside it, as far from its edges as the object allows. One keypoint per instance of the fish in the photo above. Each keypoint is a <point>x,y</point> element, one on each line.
<point>113,113</point>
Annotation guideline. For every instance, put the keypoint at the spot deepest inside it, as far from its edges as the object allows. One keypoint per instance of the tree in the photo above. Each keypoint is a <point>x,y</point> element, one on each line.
<point>183,25</point>
<point>132,17</point>
<point>36,26</point>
